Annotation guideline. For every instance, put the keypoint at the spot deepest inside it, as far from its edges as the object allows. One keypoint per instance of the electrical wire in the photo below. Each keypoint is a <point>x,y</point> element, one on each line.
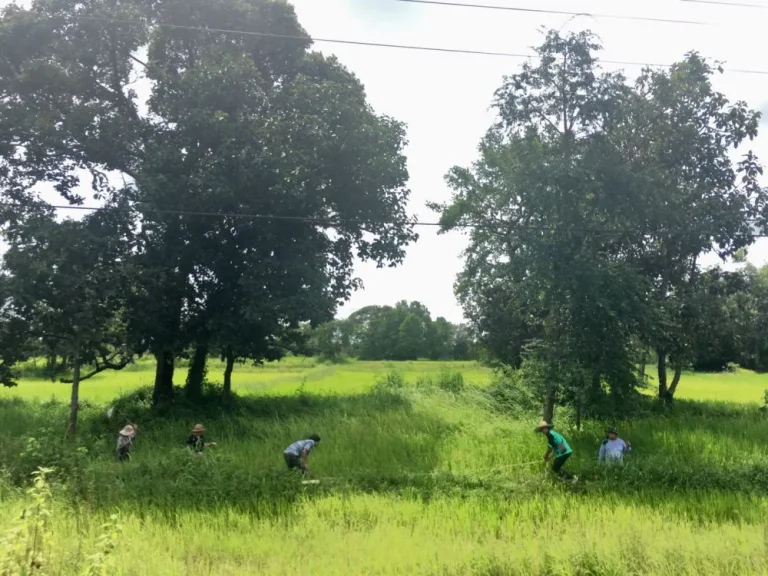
<point>557,12</point>
<point>332,222</point>
<point>733,4</point>
<point>381,44</point>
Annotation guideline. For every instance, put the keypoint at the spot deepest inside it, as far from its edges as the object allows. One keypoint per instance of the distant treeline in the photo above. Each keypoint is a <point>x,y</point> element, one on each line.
<point>403,332</point>
<point>731,309</point>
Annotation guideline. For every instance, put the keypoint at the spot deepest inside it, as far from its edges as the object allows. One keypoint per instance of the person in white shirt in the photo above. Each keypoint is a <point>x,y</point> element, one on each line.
<point>613,448</point>
<point>297,454</point>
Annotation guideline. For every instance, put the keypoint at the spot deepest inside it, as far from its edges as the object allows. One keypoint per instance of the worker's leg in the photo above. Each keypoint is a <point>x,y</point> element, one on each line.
<point>557,467</point>
<point>292,461</point>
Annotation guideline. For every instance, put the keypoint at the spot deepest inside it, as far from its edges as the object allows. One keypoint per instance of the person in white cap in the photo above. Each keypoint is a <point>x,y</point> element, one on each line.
<point>196,441</point>
<point>125,442</point>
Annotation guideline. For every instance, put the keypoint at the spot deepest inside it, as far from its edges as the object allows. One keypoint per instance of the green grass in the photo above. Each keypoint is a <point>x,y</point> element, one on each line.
<point>412,481</point>
<point>275,379</point>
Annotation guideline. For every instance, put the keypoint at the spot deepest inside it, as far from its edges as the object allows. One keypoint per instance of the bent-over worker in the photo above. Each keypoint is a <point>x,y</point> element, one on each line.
<point>558,446</point>
<point>297,454</point>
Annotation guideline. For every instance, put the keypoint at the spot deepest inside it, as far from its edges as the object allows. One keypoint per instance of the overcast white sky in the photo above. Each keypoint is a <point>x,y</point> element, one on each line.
<point>444,98</point>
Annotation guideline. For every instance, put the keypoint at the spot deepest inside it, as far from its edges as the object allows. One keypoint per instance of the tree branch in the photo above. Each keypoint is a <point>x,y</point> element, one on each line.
<point>106,364</point>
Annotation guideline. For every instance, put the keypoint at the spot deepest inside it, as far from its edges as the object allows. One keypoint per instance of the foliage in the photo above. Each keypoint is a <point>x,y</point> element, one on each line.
<point>446,379</point>
<point>588,209</point>
<point>405,331</point>
<point>24,549</point>
<point>99,563</point>
<point>233,125</point>
<point>65,284</point>
<point>393,380</point>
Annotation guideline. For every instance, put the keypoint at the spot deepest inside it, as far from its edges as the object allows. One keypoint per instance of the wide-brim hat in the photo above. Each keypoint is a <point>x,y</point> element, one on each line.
<point>543,424</point>
<point>198,429</point>
<point>128,431</point>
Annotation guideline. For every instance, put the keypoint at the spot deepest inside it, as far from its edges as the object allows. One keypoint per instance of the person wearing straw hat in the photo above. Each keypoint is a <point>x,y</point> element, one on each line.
<point>196,441</point>
<point>125,442</point>
<point>558,446</point>
<point>613,448</point>
<point>297,454</point>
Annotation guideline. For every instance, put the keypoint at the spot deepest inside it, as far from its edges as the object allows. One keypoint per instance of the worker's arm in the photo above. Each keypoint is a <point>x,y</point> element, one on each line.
<point>627,446</point>
<point>304,456</point>
<point>547,454</point>
<point>601,455</point>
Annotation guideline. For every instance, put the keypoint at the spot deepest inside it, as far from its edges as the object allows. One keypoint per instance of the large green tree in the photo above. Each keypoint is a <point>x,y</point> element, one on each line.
<point>542,275</point>
<point>66,282</point>
<point>235,124</point>
<point>676,141</point>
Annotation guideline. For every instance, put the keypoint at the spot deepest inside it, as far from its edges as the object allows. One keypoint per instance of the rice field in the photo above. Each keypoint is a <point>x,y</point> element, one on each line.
<point>415,480</point>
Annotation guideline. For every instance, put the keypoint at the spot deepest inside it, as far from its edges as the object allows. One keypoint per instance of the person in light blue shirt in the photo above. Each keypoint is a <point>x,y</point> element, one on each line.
<point>297,454</point>
<point>613,448</point>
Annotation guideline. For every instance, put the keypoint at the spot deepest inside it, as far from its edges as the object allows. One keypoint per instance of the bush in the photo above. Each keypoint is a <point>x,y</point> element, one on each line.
<point>392,380</point>
<point>450,380</point>
<point>510,395</point>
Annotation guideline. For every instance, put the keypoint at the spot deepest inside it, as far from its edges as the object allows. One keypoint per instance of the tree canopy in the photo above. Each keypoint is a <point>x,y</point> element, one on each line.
<point>405,331</point>
<point>253,168</point>
<point>588,209</point>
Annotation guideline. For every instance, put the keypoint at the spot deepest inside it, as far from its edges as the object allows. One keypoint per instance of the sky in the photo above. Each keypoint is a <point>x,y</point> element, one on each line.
<point>445,98</point>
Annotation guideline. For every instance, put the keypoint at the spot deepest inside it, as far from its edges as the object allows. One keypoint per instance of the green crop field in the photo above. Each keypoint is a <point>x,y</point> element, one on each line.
<point>413,479</point>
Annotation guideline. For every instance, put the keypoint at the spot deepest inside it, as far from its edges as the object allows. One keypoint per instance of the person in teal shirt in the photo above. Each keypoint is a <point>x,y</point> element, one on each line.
<point>558,446</point>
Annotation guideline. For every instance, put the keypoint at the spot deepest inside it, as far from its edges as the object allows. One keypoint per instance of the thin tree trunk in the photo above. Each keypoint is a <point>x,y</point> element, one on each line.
<point>549,406</point>
<point>74,403</point>
<point>578,415</point>
<point>675,380</point>
<point>163,391</point>
<point>196,375</point>
<point>230,358</point>
<point>662,369</point>
<point>641,369</point>
<point>595,388</point>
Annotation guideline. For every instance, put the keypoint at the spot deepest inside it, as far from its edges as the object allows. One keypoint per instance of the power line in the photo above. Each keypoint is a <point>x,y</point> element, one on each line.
<point>334,222</point>
<point>557,12</point>
<point>381,44</point>
<point>735,4</point>
<point>309,39</point>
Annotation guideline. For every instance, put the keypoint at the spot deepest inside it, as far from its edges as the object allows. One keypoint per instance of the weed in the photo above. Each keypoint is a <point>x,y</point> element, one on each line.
<point>23,549</point>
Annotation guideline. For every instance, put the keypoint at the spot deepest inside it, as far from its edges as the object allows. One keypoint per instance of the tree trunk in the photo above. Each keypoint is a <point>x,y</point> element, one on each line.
<point>230,358</point>
<point>641,369</point>
<point>196,375</point>
<point>662,369</point>
<point>595,387</point>
<point>163,391</point>
<point>74,403</point>
<point>675,380</point>
<point>578,415</point>
<point>549,406</point>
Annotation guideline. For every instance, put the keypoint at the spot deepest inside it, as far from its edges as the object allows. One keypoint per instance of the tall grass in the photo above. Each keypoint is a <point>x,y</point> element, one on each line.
<point>419,474</point>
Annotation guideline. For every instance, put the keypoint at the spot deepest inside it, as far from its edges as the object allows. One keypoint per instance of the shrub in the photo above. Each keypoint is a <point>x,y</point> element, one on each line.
<point>23,548</point>
<point>450,380</point>
<point>510,395</point>
<point>392,380</point>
